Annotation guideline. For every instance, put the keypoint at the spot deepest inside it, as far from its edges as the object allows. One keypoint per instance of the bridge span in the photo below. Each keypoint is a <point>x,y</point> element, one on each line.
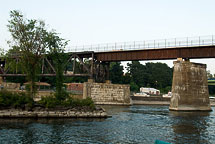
<point>195,52</point>
<point>164,49</point>
<point>189,86</point>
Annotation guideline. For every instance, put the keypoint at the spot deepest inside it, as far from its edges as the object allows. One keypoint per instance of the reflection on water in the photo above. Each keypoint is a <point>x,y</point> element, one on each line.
<point>134,124</point>
<point>190,125</point>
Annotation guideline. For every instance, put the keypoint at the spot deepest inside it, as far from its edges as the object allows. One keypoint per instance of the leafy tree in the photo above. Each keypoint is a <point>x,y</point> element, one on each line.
<point>134,87</point>
<point>138,73</point>
<point>116,72</point>
<point>160,75</point>
<point>29,44</point>
<point>157,75</point>
<point>126,79</point>
<point>56,52</point>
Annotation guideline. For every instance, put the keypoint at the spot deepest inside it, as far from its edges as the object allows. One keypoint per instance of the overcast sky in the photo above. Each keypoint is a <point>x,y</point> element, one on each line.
<point>103,21</point>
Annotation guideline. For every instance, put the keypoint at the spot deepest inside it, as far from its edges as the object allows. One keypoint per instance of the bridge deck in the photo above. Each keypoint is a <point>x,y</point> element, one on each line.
<point>195,52</point>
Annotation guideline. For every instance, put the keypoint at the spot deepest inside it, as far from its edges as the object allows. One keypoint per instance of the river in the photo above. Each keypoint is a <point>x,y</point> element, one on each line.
<point>134,124</point>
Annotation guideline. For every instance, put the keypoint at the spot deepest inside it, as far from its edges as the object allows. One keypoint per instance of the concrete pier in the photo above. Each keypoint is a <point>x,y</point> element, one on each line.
<point>189,87</point>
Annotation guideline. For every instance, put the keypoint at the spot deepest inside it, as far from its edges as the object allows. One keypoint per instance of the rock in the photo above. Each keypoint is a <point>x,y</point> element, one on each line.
<point>41,112</point>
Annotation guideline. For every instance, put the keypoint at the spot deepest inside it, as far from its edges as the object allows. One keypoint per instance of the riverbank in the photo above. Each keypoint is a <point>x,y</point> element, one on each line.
<point>138,100</point>
<point>99,112</point>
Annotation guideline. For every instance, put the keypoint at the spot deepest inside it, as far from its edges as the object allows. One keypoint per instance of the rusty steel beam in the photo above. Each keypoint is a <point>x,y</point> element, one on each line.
<point>157,54</point>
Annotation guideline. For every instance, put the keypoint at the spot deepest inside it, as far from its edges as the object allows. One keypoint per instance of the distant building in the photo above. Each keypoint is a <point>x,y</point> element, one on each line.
<point>151,91</point>
<point>74,87</point>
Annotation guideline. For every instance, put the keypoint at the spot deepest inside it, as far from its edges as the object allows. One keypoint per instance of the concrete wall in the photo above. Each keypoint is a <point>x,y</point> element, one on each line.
<point>106,93</point>
<point>189,87</point>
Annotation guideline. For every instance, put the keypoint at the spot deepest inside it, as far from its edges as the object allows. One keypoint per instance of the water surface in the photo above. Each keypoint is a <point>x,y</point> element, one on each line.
<point>134,124</point>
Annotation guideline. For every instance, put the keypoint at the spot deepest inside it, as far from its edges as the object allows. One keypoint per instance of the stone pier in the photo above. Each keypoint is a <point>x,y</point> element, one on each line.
<point>189,87</point>
<point>107,93</point>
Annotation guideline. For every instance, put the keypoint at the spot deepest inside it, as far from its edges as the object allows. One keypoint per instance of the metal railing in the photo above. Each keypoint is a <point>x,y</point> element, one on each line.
<point>149,44</point>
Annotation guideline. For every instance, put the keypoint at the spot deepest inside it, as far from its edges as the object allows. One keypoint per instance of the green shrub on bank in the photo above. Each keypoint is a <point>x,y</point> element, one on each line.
<point>21,100</point>
<point>16,100</point>
<point>49,101</point>
<point>79,102</point>
<point>52,101</point>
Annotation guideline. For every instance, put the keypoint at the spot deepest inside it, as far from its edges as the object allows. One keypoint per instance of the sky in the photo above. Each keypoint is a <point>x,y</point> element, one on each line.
<point>85,22</point>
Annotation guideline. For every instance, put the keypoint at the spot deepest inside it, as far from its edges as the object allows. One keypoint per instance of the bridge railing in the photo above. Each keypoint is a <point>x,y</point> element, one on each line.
<point>149,44</point>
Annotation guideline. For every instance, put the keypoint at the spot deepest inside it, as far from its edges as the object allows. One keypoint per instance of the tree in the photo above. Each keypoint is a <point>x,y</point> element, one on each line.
<point>56,47</point>
<point>209,75</point>
<point>157,75</point>
<point>116,73</point>
<point>29,43</point>
<point>138,73</point>
<point>160,75</point>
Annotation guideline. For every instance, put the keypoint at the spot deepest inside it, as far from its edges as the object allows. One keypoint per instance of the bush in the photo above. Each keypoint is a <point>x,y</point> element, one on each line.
<point>52,101</point>
<point>79,102</point>
<point>49,101</point>
<point>61,96</point>
<point>17,100</point>
<point>21,100</point>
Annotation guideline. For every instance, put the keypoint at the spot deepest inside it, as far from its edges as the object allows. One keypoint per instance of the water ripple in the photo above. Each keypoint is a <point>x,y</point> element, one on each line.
<point>134,124</point>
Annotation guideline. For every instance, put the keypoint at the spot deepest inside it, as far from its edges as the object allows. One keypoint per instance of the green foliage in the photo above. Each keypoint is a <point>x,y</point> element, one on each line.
<point>29,42</point>
<point>138,73</point>
<point>116,73</point>
<point>166,89</point>
<point>56,53</point>
<point>71,102</point>
<point>76,79</point>
<point>157,75</point>
<point>49,101</point>
<point>62,95</point>
<point>16,79</point>
<point>52,101</point>
<point>211,89</point>
<point>134,87</point>
<point>17,100</point>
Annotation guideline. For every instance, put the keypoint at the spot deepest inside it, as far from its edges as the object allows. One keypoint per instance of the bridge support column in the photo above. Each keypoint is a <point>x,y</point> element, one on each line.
<point>189,87</point>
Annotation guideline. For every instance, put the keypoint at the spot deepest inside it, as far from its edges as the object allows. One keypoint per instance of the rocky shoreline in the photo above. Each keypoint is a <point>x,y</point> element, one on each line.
<point>99,112</point>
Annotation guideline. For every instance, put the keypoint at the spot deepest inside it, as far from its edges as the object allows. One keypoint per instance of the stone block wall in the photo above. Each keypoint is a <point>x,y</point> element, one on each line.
<point>106,93</point>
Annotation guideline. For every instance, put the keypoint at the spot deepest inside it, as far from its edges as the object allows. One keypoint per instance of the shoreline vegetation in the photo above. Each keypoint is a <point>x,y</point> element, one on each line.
<point>31,40</point>
<point>21,105</point>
